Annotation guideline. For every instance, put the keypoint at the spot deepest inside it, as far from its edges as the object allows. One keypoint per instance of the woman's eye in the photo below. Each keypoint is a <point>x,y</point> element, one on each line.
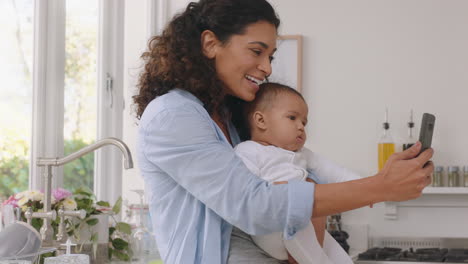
<point>271,58</point>
<point>258,52</point>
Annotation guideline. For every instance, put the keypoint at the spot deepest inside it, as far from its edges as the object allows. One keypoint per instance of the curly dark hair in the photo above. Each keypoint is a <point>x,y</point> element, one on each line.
<point>175,59</point>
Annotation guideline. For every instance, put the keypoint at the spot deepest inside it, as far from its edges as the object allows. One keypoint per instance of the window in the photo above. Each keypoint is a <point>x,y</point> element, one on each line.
<point>16,48</point>
<point>80,94</point>
<point>55,60</point>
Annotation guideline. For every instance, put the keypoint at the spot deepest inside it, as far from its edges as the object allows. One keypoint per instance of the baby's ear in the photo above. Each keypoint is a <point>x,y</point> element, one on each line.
<point>259,120</point>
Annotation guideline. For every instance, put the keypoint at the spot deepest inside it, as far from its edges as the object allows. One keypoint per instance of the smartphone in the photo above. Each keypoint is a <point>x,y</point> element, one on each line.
<point>427,129</point>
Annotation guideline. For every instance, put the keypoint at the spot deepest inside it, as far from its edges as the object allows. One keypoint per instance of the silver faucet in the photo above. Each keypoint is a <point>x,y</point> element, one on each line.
<point>29,215</point>
<point>46,229</point>
<point>62,213</point>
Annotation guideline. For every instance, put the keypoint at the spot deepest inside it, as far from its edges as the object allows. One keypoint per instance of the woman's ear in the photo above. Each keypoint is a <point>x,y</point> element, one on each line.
<point>209,43</point>
<point>259,120</point>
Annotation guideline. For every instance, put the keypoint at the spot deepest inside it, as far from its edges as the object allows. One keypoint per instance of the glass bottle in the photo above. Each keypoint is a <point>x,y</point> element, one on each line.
<point>386,144</point>
<point>465,176</point>
<point>143,240</point>
<point>453,176</point>
<point>410,140</point>
<point>438,177</point>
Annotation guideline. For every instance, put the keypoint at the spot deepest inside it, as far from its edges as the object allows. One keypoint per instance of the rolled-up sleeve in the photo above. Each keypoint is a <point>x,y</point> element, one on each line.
<point>183,142</point>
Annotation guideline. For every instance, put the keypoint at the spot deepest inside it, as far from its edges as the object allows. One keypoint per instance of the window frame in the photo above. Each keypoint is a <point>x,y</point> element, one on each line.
<point>48,93</point>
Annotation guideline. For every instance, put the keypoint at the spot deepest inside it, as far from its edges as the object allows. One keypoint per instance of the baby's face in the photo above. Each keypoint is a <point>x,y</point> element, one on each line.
<point>286,120</point>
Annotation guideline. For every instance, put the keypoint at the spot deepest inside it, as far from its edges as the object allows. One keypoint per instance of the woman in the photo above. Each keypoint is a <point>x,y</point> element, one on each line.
<point>213,54</point>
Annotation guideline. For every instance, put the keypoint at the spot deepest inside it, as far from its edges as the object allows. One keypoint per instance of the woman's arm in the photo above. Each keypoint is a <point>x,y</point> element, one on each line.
<point>403,177</point>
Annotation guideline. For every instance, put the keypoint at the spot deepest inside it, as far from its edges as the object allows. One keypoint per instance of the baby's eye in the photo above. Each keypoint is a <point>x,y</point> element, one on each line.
<point>292,117</point>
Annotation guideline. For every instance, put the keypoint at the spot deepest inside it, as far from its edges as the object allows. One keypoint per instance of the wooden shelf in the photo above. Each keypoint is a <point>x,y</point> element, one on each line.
<point>445,190</point>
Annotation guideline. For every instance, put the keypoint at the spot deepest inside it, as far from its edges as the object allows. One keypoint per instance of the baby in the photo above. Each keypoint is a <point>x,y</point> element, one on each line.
<point>276,122</point>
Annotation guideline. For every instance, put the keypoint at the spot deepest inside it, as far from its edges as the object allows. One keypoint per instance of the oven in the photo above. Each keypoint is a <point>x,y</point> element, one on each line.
<point>411,251</point>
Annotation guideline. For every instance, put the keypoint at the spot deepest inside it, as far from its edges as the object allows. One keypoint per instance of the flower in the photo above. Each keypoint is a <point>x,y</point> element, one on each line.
<point>29,196</point>
<point>60,194</point>
<point>36,195</point>
<point>69,204</point>
<point>23,201</point>
<point>11,201</point>
<point>20,195</point>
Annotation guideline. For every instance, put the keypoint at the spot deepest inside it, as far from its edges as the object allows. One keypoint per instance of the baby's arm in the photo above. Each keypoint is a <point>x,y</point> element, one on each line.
<point>249,156</point>
<point>326,170</point>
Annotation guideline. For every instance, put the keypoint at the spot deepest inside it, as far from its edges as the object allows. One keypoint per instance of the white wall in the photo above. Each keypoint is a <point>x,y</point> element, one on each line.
<point>364,55</point>
<point>359,57</point>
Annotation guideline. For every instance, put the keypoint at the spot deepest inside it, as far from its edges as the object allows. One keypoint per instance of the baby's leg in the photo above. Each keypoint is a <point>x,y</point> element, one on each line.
<point>334,251</point>
<point>305,248</point>
<point>319,223</point>
<point>319,226</point>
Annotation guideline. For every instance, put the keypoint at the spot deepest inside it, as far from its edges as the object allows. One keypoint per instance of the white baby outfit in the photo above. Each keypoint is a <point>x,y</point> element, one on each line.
<point>276,164</point>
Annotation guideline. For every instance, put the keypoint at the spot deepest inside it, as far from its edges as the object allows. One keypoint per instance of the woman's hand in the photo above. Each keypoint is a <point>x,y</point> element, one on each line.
<point>405,174</point>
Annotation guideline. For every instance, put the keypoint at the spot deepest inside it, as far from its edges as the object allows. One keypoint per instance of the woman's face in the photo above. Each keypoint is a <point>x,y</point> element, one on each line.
<point>244,61</point>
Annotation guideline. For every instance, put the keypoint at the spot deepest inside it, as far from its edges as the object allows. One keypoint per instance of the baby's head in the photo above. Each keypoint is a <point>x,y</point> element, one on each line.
<point>277,116</point>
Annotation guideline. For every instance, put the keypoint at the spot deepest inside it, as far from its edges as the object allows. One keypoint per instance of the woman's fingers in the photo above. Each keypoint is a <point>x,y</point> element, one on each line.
<point>408,153</point>
<point>424,157</point>
<point>428,168</point>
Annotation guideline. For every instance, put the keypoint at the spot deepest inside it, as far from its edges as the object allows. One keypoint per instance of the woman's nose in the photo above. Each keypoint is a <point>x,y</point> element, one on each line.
<point>265,66</point>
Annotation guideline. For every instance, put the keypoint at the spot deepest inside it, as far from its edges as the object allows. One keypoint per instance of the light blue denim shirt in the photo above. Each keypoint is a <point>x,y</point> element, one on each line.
<point>197,187</point>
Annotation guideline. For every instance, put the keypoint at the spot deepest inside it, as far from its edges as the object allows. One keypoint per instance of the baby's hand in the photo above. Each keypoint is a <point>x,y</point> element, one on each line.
<point>310,180</point>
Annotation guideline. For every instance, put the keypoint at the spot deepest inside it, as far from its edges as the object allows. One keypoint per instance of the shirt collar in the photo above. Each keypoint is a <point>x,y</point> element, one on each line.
<point>187,95</point>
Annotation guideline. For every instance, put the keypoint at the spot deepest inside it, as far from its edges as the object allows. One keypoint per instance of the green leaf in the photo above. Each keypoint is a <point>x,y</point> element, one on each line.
<point>85,203</point>
<point>111,230</point>
<point>117,206</point>
<point>92,221</point>
<point>119,244</point>
<point>83,192</point>
<point>124,228</point>
<point>103,203</point>
<point>121,255</point>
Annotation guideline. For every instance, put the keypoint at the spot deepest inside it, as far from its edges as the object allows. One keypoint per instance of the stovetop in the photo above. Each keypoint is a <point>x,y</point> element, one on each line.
<point>381,255</point>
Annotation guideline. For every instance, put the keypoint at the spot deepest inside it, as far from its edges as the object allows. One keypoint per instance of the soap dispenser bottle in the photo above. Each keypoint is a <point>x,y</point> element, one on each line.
<point>386,144</point>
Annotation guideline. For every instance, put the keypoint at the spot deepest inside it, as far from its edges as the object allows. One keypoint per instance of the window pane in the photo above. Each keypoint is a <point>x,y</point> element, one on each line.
<point>16,48</point>
<point>80,89</point>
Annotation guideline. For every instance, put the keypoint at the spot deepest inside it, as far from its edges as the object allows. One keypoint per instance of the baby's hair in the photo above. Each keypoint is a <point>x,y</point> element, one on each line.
<point>264,99</point>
